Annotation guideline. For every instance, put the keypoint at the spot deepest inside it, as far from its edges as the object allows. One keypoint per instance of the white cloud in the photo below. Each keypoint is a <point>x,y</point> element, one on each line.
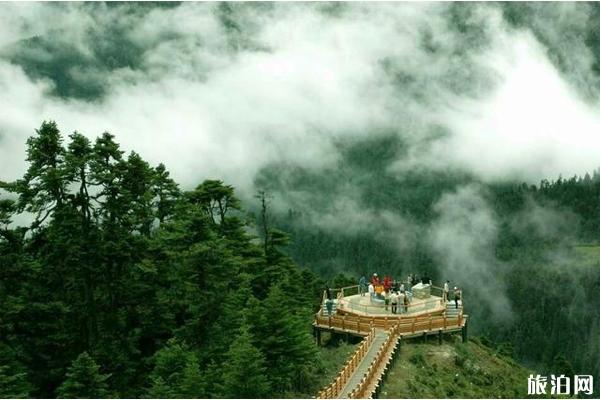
<point>532,126</point>
<point>209,111</point>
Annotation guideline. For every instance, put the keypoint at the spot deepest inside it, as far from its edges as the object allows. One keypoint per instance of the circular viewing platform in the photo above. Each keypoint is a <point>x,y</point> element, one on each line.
<point>363,305</point>
<point>349,301</point>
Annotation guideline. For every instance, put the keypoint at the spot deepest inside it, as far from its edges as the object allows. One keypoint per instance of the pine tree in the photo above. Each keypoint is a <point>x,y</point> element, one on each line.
<point>13,384</point>
<point>284,339</point>
<point>159,389</point>
<point>193,385</point>
<point>244,369</point>
<point>84,380</point>
<point>176,373</point>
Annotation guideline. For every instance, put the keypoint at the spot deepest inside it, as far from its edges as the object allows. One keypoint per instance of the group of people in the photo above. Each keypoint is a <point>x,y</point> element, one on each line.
<point>390,290</point>
<point>394,293</point>
<point>457,293</point>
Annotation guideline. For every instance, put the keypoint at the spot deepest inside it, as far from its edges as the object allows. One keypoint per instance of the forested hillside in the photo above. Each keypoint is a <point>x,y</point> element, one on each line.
<point>307,144</point>
<point>119,284</point>
<point>115,282</point>
<point>514,248</point>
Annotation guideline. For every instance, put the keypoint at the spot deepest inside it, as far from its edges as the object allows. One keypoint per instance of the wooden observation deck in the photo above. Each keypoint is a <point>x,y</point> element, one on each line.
<point>383,332</point>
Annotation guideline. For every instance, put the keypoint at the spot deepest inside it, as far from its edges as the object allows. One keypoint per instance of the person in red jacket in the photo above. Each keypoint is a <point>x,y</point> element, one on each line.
<point>387,283</point>
<point>375,279</point>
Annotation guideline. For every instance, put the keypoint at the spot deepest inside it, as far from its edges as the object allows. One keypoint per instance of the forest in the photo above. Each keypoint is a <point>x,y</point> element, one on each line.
<point>537,243</point>
<point>115,282</point>
<point>123,285</point>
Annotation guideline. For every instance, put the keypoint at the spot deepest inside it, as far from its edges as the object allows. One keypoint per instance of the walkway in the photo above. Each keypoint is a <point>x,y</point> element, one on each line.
<point>358,375</point>
<point>362,374</point>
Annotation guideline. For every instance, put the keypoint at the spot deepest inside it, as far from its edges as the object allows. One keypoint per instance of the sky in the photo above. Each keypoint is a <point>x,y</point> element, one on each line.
<point>219,91</point>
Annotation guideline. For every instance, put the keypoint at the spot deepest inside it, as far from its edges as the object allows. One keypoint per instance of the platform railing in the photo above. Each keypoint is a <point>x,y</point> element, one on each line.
<point>362,325</point>
<point>435,291</point>
<point>334,390</point>
<point>397,329</point>
<point>402,309</point>
<point>384,355</point>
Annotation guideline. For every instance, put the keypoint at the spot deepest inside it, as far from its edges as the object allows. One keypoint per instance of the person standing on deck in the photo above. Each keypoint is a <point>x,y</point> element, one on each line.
<point>394,301</point>
<point>387,283</point>
<point>371,291</point>
<point>401,301</point>
<point>402,287</point>
<point>362,285</point>
<point>456,296</point>
<point>375,279</point>
<point>386,296</point>
<point>446,293</point>
<point>406,301</point>
<point>329,305</point>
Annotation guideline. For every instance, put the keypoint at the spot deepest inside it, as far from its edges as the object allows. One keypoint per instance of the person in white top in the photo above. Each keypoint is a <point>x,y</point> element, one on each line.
<point>394,301</point>
<point>371,290</point>
<point>401,300</point>
<point>446,291</point>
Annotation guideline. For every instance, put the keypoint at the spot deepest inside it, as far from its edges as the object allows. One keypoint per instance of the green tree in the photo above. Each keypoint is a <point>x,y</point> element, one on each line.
<point>176,373</point>
<point>13,384</point>
<point>282,335</point>
<point>84,380</point>
<point>166,193</point>
<point>244,369</point>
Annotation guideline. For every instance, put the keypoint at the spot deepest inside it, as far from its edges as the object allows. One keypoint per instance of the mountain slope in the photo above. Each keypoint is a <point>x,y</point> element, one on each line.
<point>453,370</point>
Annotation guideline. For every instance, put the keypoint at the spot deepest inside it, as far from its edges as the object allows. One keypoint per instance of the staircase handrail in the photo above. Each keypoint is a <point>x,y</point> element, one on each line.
<point>334,389</point>
<point>359,391</point>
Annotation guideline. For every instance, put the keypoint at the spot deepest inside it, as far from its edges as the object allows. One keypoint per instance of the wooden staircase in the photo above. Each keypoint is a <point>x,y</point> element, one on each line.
<point>363,372</point>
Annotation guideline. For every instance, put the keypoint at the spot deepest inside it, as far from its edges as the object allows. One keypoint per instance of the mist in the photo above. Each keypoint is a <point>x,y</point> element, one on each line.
<point>225,91</point>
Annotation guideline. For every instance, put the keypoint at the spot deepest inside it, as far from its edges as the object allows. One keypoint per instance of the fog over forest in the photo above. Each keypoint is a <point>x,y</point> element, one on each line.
<point>386,128</point>
<point>226,89</point>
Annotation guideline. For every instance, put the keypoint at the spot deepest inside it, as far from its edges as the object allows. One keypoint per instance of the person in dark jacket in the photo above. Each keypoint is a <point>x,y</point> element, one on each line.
<point>362,285</point>
<point>457,295</point>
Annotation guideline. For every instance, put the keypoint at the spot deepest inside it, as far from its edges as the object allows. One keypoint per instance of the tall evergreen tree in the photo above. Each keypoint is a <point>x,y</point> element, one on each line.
<point>283,337</point>
<point>13,384</point>
<point>84,380</point>
<point>176,373</point>
<point>244,369</point>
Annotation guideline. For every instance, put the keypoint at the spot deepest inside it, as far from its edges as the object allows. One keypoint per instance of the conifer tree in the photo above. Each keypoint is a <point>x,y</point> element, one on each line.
<point>244,369</point>
<point>13,384</point>
<point>84,380</point>
<point>176,373</point>
<point>285,341</point>
<point>193,383</point>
